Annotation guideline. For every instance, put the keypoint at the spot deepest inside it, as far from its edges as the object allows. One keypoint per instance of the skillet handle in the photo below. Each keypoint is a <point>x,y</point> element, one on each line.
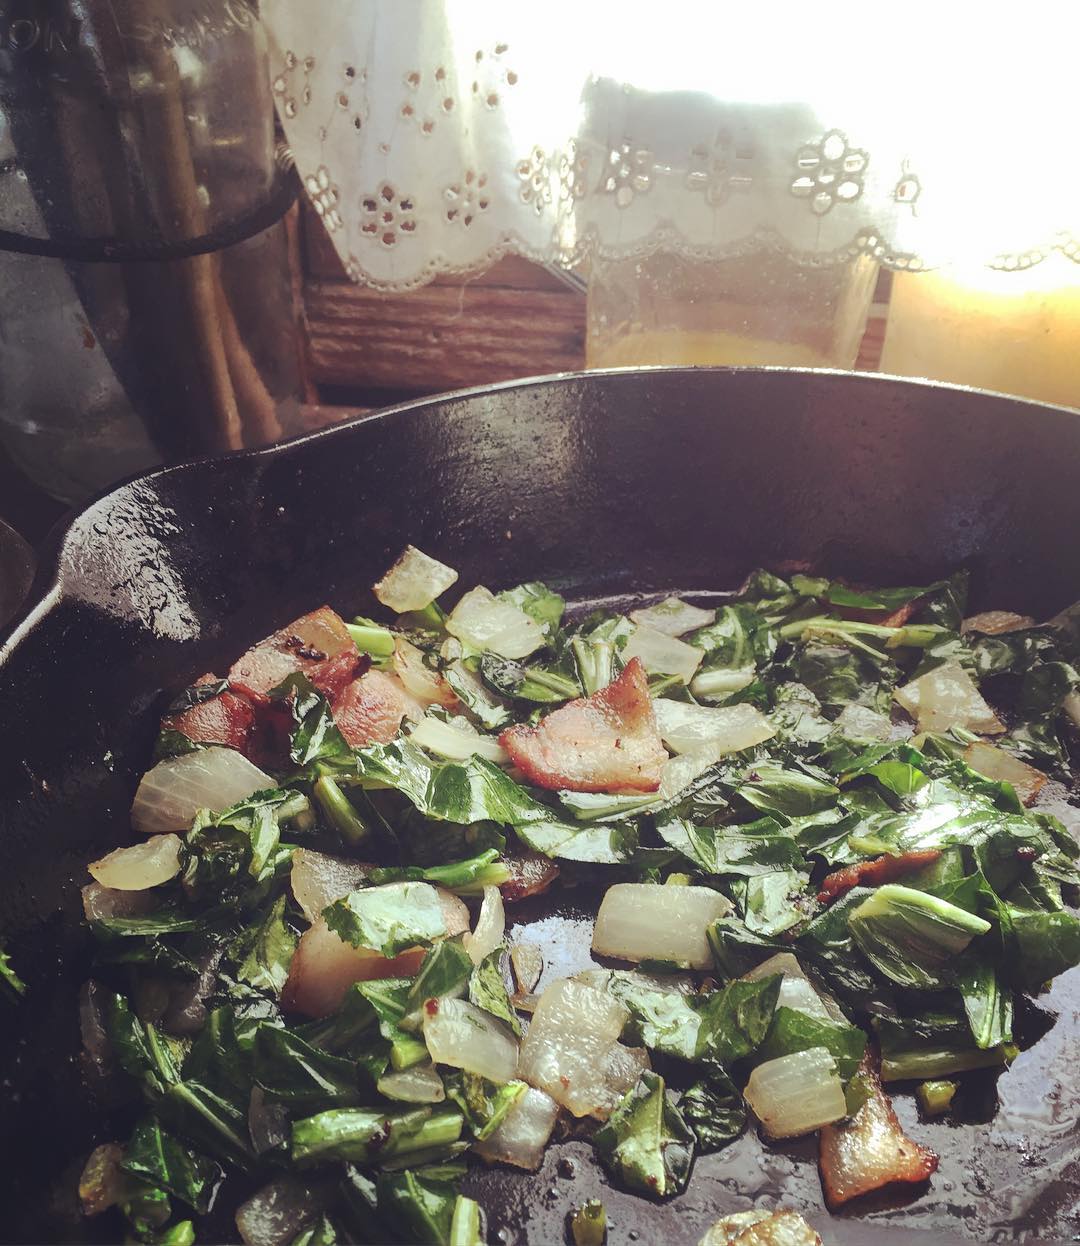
<point>17,564</point>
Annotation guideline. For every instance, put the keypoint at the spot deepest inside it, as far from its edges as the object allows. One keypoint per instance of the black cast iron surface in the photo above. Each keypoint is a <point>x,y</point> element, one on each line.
<point>598,484</point>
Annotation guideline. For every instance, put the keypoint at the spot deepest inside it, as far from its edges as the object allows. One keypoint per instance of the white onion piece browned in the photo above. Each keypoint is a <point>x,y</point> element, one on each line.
<point>481,620</point>
<point>103,1183</point>
<point>710,731</point>
<point>567,1048</point>
<point>647,921</point>
<point>171,794</point>
<point>528,963</point>
<point>418,679</point>
<point>144,865</point>
<point>100,902</point>
<point>796,1094</point>
<point>947,697</point>
<point>761,1228</point>
<point>673,617</point>
<point>414,581</point>
<point>418,1084</point>
<point>796,989</point>
<point>995,763</point>
<point>490,926</point>
<point>521,1138</point>
<point>860,722</point>
<point>277,1213</point>
<point>623,1068</point>
<point>318,879</point>
<point>466,1037</point>
<point>663,655</point>
<point>456,740</point>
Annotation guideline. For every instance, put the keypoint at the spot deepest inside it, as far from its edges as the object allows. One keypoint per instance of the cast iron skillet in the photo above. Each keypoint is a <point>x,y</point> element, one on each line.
<point>598,484</point>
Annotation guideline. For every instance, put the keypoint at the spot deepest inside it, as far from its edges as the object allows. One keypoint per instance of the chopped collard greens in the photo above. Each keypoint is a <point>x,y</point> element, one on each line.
<point>807,810</point>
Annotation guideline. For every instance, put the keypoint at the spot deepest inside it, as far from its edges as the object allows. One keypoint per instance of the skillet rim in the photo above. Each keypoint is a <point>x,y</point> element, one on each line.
<point>46,591</point>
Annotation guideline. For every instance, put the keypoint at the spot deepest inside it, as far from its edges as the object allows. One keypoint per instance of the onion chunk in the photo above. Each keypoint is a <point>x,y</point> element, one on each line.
<point>663,655</point>
<point>796,1094</point>
<point>947,697</point>
<point>673,617</point>
<point>482,620</point>
<point>994,763</point>
<point>569,1044</point>
<point>466,1037</point>
<point>174,791</point>
<point>710,731</point>
<point>456,740</point>
<point>642,921</point>
<point>490,927</point>
<point>414,581</point>
<point>521,1138</point>
<point>141,866</point>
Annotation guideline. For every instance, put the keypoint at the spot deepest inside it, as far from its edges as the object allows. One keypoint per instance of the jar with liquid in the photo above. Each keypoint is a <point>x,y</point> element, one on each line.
<point>719,231</point>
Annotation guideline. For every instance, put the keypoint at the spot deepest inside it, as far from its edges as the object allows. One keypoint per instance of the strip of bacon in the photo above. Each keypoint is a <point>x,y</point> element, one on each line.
<point>874,873</point>
<point>334,675</point>
<point>303,645</point>
<point>895,618</point>
<point>370,710</point>
<point>870,1150</point>
<point>604,743</point>
<point>226,719</point>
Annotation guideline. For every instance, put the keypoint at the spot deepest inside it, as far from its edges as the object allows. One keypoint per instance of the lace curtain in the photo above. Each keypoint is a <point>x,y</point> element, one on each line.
<point>434,136</point>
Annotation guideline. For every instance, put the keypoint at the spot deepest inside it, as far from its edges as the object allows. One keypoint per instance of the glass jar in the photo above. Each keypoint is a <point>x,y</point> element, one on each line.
<point>146,305</point>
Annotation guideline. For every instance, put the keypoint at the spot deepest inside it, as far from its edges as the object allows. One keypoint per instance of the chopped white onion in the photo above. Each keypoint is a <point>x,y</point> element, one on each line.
<point>622,1069</point>
<point>418,679</point>
<point>947,697</point>
<point>417,1084</point>
<point>414,581</point>
<point>679,773</point>
<point>101,902</point>
<point>174,791</point>
<point>673,617</point>
<point>466,1037</point>
<point>642,921</point>
<point>796,989</point>
<point>995,763</point>
<point>318,879</point>
<point>796,1094</point>
<point>482,620</point>
<point>144,865</point>
<point>456,740</point>
<point>490,926</point>
<point>528,963</point>
<point>524,1133</point>
<point>710,731</point>
<point>277,1213</point>
<point>663,655</point>
<point>570,1038</point>
<point>860,722</point>
<point>714,685</point>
